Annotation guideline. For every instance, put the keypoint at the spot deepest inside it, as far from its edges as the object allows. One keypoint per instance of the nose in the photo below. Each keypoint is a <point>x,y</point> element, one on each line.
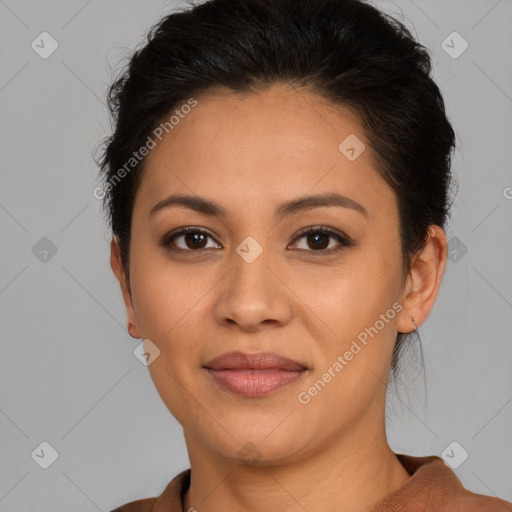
<point>253,294</point>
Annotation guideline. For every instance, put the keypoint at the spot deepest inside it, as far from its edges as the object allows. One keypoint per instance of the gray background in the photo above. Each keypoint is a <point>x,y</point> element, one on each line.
<point>68,375</point>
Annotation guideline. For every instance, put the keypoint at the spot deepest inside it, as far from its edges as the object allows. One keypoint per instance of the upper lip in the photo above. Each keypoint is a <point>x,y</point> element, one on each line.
<point>259,361</point>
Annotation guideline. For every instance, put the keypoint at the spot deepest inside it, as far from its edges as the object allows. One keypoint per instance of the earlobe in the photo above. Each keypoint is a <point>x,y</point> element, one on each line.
<point>424,280</point>
<point>117,268</point>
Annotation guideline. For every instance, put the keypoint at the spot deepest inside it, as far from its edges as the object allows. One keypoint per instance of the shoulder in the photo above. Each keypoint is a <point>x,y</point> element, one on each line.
<point>467,501</point>
<point>169,501</point>
<point>144,505</point>
<point>434,486</point>
<point>480,503</point>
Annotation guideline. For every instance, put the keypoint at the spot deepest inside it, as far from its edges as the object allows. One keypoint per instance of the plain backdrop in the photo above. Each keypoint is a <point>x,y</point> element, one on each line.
<point>68,374</point>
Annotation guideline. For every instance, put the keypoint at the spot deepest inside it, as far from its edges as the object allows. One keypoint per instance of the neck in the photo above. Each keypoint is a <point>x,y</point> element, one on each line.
<point>351,473</point>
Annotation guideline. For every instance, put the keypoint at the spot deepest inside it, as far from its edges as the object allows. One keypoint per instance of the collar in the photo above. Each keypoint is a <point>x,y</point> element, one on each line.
<point>432,487</point>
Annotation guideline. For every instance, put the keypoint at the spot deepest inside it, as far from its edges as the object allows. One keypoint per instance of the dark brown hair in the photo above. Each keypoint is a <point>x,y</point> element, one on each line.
<point>347,51</point>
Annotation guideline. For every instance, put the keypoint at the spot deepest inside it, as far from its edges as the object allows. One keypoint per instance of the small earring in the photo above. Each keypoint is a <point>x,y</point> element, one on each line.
<point>414,324</point>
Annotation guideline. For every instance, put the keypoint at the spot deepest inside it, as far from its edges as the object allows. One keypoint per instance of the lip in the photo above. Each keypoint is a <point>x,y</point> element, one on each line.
<point>257,361</point>
<point>254,375</point>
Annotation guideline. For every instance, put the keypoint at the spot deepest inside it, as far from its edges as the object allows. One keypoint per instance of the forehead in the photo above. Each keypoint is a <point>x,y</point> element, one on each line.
<point>271,146</point>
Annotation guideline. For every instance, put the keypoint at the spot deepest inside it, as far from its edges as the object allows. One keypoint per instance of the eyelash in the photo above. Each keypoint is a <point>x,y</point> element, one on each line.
<point>344,241</point>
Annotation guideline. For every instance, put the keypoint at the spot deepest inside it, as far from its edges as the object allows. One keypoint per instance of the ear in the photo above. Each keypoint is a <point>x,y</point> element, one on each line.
<point>424,280</point>
<point>117,267</point>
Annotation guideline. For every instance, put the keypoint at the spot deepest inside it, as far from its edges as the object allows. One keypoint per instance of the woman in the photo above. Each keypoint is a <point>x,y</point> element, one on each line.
<point>277,186</point>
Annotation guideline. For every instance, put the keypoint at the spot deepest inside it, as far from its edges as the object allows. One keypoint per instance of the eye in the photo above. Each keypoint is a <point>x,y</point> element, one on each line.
<point>319,239</point>
<point>194,239</point>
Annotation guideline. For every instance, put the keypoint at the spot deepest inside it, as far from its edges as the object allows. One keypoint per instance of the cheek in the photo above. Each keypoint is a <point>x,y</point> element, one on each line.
<point>167,304</point>
<point>353,358</point>
<point>355,301</point>
<point>352,295</point>
<point>161,292</point>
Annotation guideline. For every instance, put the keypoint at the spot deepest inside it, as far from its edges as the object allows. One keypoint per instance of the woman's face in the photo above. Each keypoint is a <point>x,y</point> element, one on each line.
<point>253,283</point>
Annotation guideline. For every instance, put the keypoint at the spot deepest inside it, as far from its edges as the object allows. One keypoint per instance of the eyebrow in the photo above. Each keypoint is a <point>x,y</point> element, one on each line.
<point>209,207</point>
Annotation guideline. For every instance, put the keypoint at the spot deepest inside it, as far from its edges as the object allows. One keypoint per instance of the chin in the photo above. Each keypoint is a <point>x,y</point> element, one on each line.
<point>258,446</point>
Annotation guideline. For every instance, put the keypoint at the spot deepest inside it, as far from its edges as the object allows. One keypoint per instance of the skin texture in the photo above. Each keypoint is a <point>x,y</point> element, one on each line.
<point>249,153</point>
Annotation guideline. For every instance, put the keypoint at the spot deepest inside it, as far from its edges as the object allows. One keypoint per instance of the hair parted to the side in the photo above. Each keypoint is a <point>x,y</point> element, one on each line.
<point>346,51</point>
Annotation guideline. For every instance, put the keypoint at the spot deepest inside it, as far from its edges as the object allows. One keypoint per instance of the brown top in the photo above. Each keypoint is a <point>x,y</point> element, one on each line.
<point>433,487</point>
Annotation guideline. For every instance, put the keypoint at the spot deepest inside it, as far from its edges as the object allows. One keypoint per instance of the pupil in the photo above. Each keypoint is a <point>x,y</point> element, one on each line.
<point>315,236</point>
<point>196,237</point>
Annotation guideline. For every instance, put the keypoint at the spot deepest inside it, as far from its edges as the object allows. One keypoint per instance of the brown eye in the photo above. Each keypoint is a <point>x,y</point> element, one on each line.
<point>322,239</point>
<point>318,240</point>
<point>193,239</point>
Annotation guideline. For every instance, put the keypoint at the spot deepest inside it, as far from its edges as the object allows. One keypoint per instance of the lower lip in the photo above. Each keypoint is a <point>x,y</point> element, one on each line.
<point>255,382</point>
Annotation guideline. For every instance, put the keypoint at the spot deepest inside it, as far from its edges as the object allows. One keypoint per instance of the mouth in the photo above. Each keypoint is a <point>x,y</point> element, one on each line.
<point>254,375</point>
<point>253,383</point>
